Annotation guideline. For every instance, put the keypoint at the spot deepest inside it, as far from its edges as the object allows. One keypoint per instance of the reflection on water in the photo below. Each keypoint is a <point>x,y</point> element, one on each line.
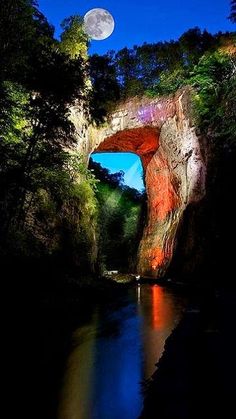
<point>115,352</point>
<point>163,309</point>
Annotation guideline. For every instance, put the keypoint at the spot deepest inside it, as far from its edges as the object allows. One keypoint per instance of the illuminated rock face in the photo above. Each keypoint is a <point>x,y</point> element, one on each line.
<point>142,141</point>
<point>160,131</point>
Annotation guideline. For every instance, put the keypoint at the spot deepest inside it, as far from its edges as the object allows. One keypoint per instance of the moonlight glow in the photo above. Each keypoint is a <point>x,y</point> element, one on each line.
<point>98,24</point>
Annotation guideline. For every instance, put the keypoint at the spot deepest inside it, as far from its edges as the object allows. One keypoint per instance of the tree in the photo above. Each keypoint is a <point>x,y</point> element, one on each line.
<point>126,65</point>
<point>233,11</point>
<point>115,180</point>
<point>194,44</point>
<point>141,68</point>
<point>38,83</point>
<point>22,29</point>
<point>104,85</point>
<point>214,82</point>
<point>74,41</point>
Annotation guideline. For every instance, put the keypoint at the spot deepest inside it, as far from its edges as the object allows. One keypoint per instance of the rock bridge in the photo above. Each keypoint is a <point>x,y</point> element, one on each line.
<point>161,132</point>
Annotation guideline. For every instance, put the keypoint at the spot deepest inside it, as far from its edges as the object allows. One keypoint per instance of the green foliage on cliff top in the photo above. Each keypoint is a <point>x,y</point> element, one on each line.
<point>198,59</point>
<point>155,67</point>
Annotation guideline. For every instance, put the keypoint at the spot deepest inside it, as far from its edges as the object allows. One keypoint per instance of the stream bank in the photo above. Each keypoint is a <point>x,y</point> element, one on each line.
<point>195,378</point>
<point>96,354</point>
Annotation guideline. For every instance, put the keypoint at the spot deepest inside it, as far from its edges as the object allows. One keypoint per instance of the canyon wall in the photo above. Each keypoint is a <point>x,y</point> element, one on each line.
<point>162,133</point>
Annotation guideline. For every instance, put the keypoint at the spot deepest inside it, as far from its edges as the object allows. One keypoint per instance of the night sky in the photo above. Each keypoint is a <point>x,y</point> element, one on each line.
<point>139,21</point>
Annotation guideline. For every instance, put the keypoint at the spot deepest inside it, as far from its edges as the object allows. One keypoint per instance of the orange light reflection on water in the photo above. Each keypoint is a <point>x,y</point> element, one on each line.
<point>161,309</point>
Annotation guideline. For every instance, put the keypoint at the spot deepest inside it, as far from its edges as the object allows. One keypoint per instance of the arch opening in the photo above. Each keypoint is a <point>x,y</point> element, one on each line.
<point>161,132</point>
<point>122,208</point>
<point>154,245</point>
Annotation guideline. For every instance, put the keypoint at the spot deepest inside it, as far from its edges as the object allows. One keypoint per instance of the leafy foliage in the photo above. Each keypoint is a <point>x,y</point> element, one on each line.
<point>105,86</point>
<point>74,41</point>
<point>140,68</point>
<point>214,81</point>
<point>47,193</point>
<point>233,11</point>
<point>199,60</point>
<point>159,68</point>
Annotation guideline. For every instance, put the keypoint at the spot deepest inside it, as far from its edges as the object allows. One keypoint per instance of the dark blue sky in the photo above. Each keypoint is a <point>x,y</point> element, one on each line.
<point>139,21</point>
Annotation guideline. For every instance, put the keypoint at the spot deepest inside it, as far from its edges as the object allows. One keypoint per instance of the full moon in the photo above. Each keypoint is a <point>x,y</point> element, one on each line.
<point>98,24</point>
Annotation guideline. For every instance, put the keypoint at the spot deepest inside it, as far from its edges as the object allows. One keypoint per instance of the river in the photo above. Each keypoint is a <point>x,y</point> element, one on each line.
<point>115,351</point>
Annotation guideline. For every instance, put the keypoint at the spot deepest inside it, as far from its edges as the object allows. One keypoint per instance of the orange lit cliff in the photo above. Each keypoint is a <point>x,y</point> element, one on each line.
<point>161,132</point>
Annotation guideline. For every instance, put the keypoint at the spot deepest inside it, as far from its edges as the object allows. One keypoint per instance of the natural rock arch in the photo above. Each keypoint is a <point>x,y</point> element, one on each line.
<point>161,132</point>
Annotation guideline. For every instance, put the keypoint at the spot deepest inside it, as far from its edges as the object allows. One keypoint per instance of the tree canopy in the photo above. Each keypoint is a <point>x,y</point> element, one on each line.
<point>40,78</point>
<point>137,70</point>
<point>233,11</point>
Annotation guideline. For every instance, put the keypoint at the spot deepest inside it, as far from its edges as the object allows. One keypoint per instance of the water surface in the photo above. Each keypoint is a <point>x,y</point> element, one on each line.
<point>115,351</point>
